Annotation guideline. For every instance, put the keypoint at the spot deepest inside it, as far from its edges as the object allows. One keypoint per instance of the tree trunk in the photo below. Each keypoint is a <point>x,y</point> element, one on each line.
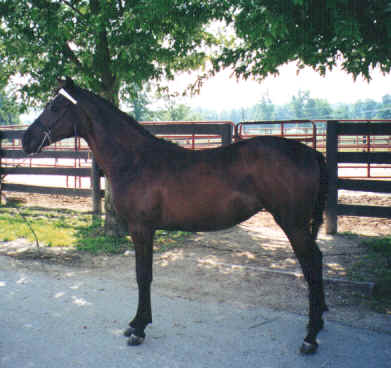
<point>108,87</point>
<point>114,225</point>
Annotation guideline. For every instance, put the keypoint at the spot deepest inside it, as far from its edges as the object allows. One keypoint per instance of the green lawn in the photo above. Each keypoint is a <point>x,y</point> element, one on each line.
<point>67,228</point>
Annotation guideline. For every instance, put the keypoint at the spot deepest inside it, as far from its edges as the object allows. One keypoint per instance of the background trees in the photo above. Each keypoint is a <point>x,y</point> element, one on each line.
<point>8,110</point>
<point>303,106</point>
<point>322,34</point>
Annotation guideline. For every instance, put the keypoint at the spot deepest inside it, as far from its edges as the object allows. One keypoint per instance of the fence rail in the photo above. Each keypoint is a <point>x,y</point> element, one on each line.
<point>334,157</point>
<point>347,144</point>
<point>301,130</point>
<point>13,161</point>
<point>313,133</point>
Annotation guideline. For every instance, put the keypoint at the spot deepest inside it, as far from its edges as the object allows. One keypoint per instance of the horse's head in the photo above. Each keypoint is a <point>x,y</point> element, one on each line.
<point>57,121</point>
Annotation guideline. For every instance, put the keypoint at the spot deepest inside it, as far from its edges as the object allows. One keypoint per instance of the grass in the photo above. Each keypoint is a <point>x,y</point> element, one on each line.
<point>52,228</point>
<point>67,228</point>
<point>375,265</point>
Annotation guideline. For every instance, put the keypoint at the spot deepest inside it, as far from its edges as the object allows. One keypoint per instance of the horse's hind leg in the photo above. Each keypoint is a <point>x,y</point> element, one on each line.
<point>143,242</point>
<point>310,259</point>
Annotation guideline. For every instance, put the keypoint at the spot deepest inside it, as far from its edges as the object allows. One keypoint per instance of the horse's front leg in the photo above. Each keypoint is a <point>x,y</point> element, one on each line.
<point>143,243</point>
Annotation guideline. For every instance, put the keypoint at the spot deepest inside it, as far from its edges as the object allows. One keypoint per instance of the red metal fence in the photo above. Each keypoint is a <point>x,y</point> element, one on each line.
<point>302,130</point>
<point>199,135</point>
<point>313,133</point>
<point>360,149</point>
<point>193,135</point>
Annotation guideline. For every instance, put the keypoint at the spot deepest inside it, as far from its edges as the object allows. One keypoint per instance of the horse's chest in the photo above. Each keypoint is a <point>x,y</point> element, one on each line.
<point>137,202</point>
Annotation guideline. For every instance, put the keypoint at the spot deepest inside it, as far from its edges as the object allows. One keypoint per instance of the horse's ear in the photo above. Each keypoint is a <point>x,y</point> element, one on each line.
<point>66,84</point>
<point>60,83</point>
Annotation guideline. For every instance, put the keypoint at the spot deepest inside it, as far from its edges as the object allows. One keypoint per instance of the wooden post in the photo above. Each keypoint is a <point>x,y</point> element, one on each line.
<point>332,169</point>
<point>1,176</point>
<point>96,189</point>
<point>226,134</point>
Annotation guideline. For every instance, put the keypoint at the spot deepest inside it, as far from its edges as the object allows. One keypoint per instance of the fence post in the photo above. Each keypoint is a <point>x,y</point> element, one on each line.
<point>96,189</point>
<point>1,176</point>
<point>226,134</point>
<point>332,170</point>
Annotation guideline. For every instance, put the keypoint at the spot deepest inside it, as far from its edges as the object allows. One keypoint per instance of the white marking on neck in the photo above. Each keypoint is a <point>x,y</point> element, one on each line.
<point>67,95</point>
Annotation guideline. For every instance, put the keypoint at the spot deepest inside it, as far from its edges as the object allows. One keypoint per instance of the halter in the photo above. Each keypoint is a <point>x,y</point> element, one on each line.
<point>47,131</point>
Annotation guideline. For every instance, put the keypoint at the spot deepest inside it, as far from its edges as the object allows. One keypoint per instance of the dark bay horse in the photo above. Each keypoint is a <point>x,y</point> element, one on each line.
<point>159,185</point>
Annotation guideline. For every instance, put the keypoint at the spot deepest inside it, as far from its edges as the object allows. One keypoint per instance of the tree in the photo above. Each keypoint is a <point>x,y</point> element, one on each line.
<point>366,109</point>
<point>385,111</point>
<point>342,111</point>
<point>106,46</point>
<point>370,108</point>
<point>9,111</point>
<point>264,109</point>
<point>299,103</point>
<point>317,33</point>
<point>139,102</point>
<point>322,110</point>
<point>177,112</point>
<point>283,112</point>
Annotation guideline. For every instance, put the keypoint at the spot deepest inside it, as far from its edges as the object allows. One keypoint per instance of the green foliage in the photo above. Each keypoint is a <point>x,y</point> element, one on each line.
<point>114,47</point>
<point>107,46</point>
<point>9,110</point>
<point>177,112</point>
<point>319,34</point>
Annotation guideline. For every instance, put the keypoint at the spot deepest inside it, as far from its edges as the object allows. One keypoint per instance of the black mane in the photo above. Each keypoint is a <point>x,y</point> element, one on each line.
<point>122,116</point>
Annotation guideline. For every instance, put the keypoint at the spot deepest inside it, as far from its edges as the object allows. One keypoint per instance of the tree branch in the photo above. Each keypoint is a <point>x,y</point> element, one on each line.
<point>71,55</point>
<point>69,4</point>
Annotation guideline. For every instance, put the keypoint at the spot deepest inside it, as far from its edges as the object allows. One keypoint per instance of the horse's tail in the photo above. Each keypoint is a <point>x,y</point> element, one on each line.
<point>317,215</point>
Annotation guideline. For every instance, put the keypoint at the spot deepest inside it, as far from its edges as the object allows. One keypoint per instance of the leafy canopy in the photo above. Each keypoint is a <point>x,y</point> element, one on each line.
<point>118,45</point>
<point>8,110</point>
<point>317,33</point>
<point>106,45</point>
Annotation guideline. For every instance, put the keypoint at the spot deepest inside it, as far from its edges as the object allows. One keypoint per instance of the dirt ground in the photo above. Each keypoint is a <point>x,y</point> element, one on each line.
<point>247,266</point>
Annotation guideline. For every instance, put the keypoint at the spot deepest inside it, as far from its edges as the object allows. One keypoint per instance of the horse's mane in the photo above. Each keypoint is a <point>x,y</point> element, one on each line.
<point>122,117</point>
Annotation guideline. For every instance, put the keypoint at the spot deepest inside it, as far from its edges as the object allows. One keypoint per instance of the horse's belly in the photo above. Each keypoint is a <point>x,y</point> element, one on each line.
<point>209,214</point>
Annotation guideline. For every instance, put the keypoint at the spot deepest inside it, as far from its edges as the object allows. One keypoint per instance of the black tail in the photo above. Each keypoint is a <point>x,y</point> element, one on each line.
<point>317,217</point>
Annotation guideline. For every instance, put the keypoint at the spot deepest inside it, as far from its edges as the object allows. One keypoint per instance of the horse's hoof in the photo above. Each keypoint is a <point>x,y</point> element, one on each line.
<point>135,340</point>
<point>307,348</point>
<point>129,332</point>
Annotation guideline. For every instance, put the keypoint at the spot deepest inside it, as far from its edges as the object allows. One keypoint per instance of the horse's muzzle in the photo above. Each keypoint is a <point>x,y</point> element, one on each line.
<point>29,143</point>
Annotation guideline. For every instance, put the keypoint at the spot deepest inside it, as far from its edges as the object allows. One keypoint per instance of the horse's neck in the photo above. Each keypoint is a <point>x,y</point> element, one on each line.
<point>113,141</point>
